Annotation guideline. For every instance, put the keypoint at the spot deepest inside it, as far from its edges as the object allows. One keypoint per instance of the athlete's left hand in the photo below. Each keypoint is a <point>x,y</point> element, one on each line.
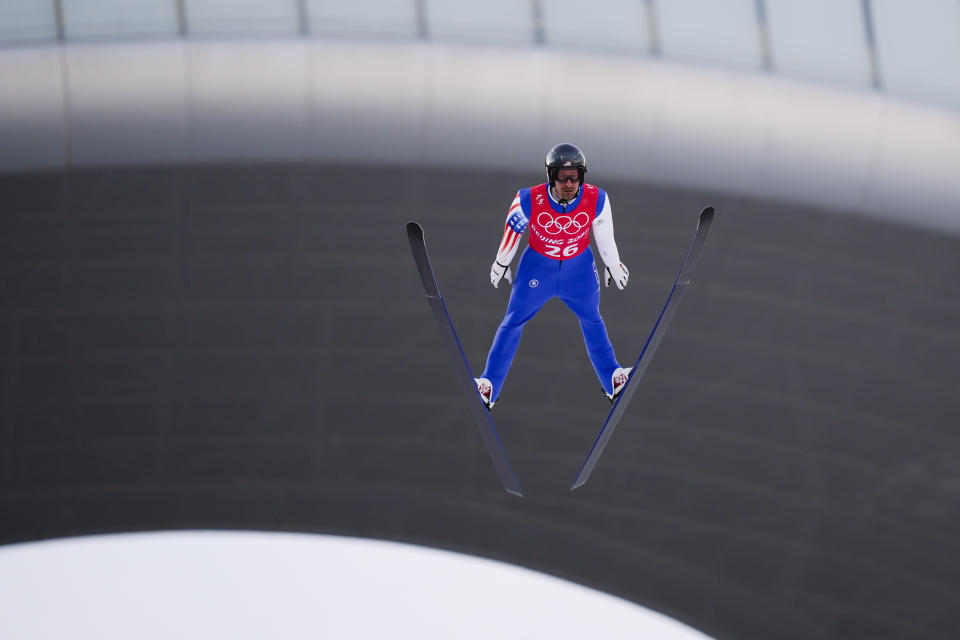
<point>619,274</point>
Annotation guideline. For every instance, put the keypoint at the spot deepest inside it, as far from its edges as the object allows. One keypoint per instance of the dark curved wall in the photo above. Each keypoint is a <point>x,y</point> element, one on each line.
<point>249,347</point>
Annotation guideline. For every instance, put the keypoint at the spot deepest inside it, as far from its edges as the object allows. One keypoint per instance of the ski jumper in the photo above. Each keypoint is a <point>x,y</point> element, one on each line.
<point>557,263</point>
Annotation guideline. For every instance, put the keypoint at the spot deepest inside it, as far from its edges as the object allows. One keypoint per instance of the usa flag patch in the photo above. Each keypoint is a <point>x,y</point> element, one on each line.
<point>517,221</point>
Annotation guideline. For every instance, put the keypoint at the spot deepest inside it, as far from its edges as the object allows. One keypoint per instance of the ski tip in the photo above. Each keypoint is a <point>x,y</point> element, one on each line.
<point>515,492</point>
<point>706,217</point>
<point>414,231</point>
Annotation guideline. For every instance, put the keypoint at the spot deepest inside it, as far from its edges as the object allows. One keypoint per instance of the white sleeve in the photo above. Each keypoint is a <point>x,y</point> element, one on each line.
<point>603,233</point>
<point>512,231</point>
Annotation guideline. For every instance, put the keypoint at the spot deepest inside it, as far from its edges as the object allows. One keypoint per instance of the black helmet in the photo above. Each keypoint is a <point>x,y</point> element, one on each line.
<point>565,155</point>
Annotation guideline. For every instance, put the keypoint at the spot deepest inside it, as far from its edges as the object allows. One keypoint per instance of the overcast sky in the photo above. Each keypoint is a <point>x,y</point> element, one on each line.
<point>204,585</point>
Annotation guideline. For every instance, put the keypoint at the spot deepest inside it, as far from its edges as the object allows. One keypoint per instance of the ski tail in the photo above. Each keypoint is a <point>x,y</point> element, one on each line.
<point>649,348</point>
<point>464,377</point>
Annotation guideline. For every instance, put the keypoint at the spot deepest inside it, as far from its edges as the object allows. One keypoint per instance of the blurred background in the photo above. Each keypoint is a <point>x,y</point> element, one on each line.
<point>210,319</point>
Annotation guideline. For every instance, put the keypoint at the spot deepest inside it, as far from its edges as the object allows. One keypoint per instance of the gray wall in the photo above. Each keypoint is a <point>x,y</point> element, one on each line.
<point>249,347</point>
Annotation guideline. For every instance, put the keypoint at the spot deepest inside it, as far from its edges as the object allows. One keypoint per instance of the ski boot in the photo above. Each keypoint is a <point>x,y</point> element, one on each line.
<point>619,381</point>
<point>485,389</point>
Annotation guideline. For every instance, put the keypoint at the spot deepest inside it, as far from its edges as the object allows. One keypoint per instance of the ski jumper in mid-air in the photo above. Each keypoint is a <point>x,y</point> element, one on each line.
<point>557,263</point>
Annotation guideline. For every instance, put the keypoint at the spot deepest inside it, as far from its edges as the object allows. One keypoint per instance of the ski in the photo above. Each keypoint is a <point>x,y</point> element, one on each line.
<point>479,411</point>
<point>649,348</point>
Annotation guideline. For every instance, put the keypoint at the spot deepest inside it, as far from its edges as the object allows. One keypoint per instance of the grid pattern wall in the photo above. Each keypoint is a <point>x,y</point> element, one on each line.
<point>907,49</point>
<point>200,348</point>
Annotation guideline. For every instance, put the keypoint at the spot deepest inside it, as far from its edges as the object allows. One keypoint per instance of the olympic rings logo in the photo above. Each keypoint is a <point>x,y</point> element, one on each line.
<point>562,224</point>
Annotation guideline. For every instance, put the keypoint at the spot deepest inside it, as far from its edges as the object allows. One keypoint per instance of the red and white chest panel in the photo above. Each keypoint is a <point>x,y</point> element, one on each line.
<point>557,233</point>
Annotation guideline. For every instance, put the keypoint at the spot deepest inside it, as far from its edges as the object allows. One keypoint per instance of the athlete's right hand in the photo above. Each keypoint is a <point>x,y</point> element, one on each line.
<point>499,272</point>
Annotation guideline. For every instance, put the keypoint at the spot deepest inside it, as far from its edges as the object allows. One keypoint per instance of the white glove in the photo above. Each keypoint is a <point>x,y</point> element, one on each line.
<point>498,272</point>
<point>619,274</point>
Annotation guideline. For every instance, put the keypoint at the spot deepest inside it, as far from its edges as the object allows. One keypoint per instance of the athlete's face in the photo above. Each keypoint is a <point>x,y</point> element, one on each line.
<point>567,183</point>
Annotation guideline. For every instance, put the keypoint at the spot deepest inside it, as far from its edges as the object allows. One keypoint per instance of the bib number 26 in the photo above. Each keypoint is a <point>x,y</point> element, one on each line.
<point>568,251</point>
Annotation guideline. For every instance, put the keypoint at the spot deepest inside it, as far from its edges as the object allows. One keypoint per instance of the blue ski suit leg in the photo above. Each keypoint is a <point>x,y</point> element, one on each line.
<point>580,291</point>
<point>538,279</point>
